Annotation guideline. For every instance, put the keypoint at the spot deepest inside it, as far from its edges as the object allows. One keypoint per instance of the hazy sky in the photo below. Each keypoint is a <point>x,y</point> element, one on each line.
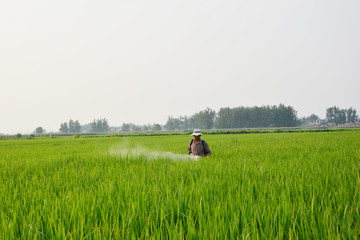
<point>142,61</point>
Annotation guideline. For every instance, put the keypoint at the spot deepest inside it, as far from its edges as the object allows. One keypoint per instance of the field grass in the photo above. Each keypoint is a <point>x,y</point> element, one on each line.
<point>256,186</point>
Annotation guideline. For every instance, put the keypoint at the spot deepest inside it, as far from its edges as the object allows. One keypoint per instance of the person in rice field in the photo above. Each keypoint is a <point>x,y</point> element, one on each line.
<point>197,146</point>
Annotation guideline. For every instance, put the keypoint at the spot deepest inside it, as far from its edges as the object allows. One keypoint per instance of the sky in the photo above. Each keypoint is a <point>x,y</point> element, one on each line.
<point>143,61</point>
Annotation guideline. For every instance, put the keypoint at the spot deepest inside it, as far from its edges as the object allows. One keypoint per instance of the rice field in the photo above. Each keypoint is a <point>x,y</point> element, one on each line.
<point>254,186</point>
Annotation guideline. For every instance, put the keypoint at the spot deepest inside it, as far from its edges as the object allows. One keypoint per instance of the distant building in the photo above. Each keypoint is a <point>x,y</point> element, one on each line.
<point>320,122</point>
<point>115,129</point>
<point>317,123</point>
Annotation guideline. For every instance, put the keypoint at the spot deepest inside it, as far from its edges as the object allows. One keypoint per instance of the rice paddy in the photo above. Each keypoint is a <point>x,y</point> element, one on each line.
<point>254,186</point>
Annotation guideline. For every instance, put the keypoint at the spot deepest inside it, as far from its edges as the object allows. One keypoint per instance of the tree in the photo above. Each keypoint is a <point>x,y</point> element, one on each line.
<point>331,114</point>
<point>312,118</point>
<point>156,127</point>
<point>172,124</point>
<point>125,127</point>
<point>284,116</point>
<point>351,116</point>
<point>64,127</point>
<point>264,116</point>
<point>100,125</point>
<point>224,118</point>
<point>94,126</point>
<point>184,123</point>
<point>136,128</point>
<point>77,126</point>
<point>341,116</point>
<point>39,130</point>
<point>71,126</point>
<point>181,123</point>
<point>203,119</point>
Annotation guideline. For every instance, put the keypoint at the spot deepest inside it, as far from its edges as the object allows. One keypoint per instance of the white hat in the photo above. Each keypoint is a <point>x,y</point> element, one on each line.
<point>196,132</point>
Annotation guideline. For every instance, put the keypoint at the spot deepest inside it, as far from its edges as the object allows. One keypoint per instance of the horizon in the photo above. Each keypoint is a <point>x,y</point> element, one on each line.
<point>139,124</point>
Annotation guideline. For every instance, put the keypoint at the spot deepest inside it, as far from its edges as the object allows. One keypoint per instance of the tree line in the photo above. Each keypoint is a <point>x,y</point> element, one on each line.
<point>97,125</point>
<point>238,117</point>
<point>71,127</point>
<point>225,118</point>
<point>341,116</point>
<point>255,117</point>
<point>102,125</point>
<point>131,127</point>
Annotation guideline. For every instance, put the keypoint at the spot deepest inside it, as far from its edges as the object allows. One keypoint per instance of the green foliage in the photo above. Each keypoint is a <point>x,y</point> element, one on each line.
<point>239,117</point>
<point>74,126</point>
<point>351,115</point>
<point>253,117</point>
<point>125,127</point>
<point>156,127</point>
<point>130,127</point>
<point>203,119</point>
<point>18,135</point>
<point>64,127</point>
<point>39,130</point>
<point>71,127</point>
<point>173,124</point>
<point>100,125</point>
<point>341,116</point>
<point>257,186</point>
<point>225,118</point>
<point>312,118</point>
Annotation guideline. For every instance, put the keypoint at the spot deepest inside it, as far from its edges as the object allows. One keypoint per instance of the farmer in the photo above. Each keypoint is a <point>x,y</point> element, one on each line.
<point>197,146</point>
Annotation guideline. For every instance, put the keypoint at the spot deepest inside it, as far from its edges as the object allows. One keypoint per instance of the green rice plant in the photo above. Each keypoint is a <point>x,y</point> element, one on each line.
<point>256,186</point>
